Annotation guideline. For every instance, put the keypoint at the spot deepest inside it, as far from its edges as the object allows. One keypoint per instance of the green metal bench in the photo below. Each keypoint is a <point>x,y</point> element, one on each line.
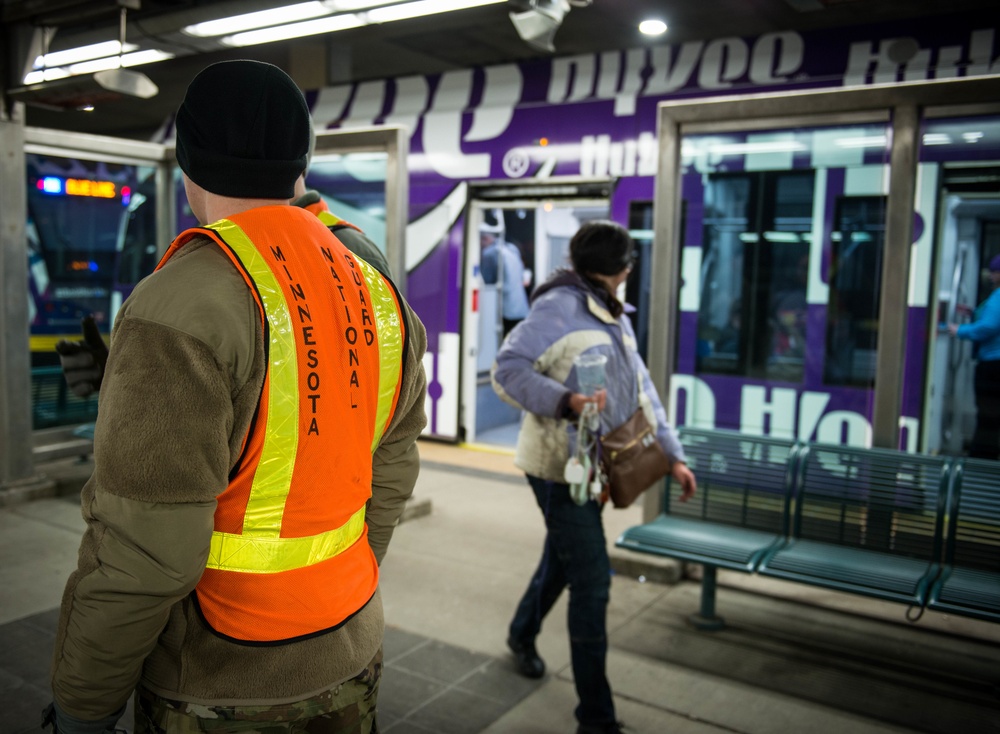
<point>867,521</point>
<point>739,514</point>
<point>969,583</point>
<point>54,404</point>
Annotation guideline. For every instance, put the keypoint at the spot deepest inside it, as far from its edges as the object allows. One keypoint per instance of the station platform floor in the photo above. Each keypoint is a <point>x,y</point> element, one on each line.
<point>791,658</point>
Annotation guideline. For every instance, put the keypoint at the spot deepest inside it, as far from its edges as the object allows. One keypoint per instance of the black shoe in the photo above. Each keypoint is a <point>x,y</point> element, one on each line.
<point>615,727</point>
<point>528,662</point>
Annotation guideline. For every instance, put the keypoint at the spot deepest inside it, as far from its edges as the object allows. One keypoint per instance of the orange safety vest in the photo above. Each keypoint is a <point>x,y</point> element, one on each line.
<point>322,211</point>
<point>289,556</point>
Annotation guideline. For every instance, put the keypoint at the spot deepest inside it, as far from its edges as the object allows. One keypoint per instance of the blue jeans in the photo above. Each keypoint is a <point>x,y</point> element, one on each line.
<point>575,554</point>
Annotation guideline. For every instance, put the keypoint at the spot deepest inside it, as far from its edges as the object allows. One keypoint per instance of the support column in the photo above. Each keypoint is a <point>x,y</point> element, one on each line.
<point>18,478</point>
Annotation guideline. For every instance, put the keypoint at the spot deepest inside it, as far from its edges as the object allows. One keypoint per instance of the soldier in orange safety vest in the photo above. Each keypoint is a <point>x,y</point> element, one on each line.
<point>254,449</point>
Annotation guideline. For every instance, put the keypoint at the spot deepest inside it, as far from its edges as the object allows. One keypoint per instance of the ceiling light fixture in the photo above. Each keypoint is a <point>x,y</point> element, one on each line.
<point>121,80</point>
<point>82,53</point>
<point>261,19</point>
<point>652,27</point>
<point>294,30</point>
<point>420,8</point>
<point>350,6</point>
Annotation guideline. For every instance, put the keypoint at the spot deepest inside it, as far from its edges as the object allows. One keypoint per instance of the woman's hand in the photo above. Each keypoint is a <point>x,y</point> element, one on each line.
<point>953,329</point>
<point>684,477</point>
<point>578,400</point>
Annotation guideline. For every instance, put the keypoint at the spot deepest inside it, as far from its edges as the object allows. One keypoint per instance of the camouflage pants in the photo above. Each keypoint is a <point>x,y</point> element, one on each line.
<point>347,709</point>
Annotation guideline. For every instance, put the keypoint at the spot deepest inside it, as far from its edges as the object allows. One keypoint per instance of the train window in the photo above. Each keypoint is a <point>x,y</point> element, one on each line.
<point>855,276</point>
<point>755,265</point>
<point>79,212</point>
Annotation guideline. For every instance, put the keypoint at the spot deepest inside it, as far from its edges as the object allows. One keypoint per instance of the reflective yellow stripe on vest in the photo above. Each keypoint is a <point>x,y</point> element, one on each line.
<point>329,218</point>
<point>389,332</point>
<point>259,548</point>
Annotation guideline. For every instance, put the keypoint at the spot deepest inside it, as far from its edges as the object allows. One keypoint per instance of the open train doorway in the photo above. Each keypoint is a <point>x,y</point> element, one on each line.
<point>968,238</point>
<point>511,246</point>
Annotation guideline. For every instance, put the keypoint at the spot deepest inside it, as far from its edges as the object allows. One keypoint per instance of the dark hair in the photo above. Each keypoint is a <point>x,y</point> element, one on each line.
<point>600,247</point>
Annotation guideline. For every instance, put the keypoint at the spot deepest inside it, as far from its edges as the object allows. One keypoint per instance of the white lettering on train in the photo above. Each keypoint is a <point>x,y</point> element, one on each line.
<point>448,115</point>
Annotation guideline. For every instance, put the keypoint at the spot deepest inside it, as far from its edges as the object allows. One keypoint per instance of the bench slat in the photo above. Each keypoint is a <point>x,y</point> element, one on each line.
<point>878,575</point>
<point>970,582</point>
<point>738,549</point>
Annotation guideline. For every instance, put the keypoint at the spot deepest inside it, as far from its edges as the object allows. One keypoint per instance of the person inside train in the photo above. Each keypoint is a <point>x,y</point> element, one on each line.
<point>788,313</point>
<point>255,447</point>
<point>984,331</point>
<point>501,259</point>
<point>576,312</point>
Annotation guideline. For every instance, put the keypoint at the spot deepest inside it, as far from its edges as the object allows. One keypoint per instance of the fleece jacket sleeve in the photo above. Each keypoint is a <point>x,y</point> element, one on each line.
<point>396,463</point>
<point>163,448</point>
<point>149,509</point>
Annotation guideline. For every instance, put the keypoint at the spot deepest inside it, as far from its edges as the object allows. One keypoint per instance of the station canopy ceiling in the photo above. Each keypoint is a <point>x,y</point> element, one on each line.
<point>471,37</point>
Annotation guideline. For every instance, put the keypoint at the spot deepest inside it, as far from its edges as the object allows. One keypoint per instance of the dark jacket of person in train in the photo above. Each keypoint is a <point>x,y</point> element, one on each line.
<point>183,385</point>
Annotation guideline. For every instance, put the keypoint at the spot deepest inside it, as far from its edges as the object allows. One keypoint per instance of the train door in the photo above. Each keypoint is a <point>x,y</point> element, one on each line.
<point>511,247</point>
<point>966,154</point>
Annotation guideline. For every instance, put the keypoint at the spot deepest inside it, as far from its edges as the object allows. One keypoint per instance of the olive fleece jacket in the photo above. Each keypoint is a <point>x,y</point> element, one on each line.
<point>183,378</point>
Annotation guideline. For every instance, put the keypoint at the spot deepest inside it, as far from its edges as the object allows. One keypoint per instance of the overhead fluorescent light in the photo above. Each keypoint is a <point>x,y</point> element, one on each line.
<point>936,139</point>
<point>113,62</point>
<point>789,237</point>
<point>341,6</point>
<point>45,75</point>
<point>260,19</point>
<point>867,141</point>
<point>404,11</point>
<point>763,146</point>
<point>652,27</point>
<point>294,30</point>
<point>88,67</point>
<point>972,137</point>
<point>82,53</point>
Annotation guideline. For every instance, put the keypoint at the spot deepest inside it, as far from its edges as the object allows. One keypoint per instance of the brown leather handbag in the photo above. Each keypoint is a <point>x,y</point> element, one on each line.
<point>632,459</point>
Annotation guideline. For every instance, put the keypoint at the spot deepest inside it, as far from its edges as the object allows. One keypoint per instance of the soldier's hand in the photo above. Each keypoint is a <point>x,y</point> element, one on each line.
<point>83,361</point>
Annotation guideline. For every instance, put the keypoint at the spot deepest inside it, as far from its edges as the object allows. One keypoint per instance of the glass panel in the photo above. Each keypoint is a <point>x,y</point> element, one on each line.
<point>91,231</point>
<point>857,243</point>
<point>353,187</point>
<point>778,313</point>
<point>756,265</point>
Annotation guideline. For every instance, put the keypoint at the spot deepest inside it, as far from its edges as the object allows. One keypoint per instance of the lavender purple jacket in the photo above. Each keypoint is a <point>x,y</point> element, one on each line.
<point>534,371</point>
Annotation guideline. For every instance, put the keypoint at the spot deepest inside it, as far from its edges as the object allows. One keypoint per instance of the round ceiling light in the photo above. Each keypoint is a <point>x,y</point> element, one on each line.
<point>653,27</point>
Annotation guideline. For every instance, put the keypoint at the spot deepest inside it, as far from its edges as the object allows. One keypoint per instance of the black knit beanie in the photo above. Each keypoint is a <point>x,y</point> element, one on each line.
<point>243,131</point>
<point>600,247</point>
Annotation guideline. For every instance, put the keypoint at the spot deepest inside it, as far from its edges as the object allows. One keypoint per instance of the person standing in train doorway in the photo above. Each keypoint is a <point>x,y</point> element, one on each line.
<point>577,312</point>
<point>984,331</point>
<point>255,446</point>
<point>502,260</point>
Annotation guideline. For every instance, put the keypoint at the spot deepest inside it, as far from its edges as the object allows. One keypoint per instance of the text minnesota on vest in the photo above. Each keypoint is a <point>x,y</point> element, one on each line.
<point>351,335</point>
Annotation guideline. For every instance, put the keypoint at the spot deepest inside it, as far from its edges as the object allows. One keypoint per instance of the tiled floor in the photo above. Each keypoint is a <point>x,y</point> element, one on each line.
<point>791,659</point>
<point>428,687</point>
